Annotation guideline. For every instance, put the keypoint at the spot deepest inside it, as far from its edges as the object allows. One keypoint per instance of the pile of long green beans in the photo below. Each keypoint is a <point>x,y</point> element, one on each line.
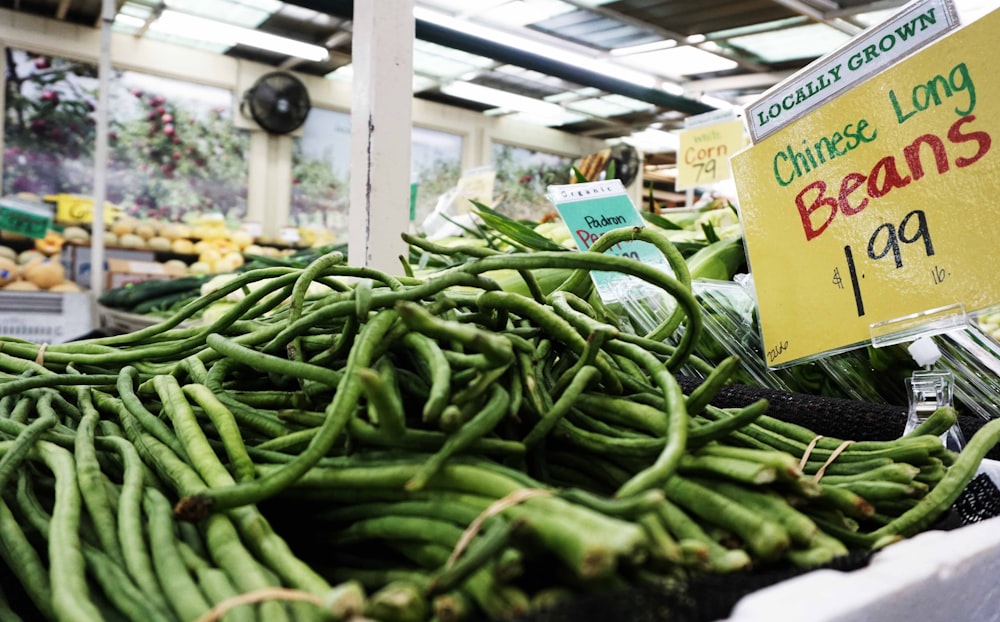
<point>417,449</point>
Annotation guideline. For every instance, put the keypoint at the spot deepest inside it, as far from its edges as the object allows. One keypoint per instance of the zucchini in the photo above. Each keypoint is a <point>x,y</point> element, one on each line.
<point>163,303</point>
<point>129,296</point>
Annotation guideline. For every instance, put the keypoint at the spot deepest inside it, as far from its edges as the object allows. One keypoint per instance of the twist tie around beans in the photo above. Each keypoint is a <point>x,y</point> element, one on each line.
<point>268,593</point>
<point>493,509</point>
<point>40,358</point>
<point>808,452</point>
<point>833,456</point>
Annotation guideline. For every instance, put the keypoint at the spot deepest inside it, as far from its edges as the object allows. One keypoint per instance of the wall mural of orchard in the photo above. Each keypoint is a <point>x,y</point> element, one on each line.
<point>174,153</point>
<point>321,157</point>
<point>522,177</point>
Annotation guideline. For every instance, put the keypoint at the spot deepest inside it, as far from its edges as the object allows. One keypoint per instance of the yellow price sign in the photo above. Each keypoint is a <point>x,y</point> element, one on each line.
<point>74,209</point>
<point>878,205</point>
<point>703,153</point>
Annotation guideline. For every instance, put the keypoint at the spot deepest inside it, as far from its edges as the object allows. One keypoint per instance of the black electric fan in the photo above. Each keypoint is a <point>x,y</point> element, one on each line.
<point>627,162</point>
<point>278,102</point>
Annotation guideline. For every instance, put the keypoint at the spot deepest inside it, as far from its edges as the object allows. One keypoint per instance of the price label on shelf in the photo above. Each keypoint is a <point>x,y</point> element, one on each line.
<point>289,235</point>
<point>880,204</point>
<point>591,210</point>
<point>25,217</point>
<point>703,153</point>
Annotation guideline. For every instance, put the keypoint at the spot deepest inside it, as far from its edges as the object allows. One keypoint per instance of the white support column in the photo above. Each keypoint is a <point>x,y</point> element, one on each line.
<point>257,178</point>
<point>269,186</point>
<point>101,150</point>
<point>276,215</point>
<point>381,116</point>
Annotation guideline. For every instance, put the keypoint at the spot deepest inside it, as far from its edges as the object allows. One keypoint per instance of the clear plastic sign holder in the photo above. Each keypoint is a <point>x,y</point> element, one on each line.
<point>956,359</point>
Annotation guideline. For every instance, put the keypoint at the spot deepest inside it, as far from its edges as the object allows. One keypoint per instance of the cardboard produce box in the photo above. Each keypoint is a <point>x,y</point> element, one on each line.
<point>121,272</point>
<point>77,260</point>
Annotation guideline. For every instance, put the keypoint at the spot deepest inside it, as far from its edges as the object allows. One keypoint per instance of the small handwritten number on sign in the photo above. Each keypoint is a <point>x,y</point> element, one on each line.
<point>886,239</point>
<point>705,167</point>
<point>904,234</point>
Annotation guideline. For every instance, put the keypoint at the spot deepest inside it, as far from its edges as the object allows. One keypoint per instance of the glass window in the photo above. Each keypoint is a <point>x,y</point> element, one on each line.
<point>174,153</point>
<point>321,160</point>
<point>522,178</point>
<point>321,171</point>
<point>436,161</point>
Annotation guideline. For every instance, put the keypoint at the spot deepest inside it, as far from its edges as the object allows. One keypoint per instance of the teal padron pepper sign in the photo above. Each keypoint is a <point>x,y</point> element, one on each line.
<point>594,208</point>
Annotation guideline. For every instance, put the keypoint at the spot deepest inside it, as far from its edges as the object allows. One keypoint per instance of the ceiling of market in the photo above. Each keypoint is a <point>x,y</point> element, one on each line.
<point>628,70</point>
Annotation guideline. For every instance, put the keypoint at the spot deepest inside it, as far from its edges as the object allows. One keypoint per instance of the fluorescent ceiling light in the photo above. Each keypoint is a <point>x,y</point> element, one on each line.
<point>716,102</point>
<point>643,48</point>
<point>632,104</point>
<point>672,88</point>
<point>129,22</point>
<point>506,101</point>
<point>198,28</point>
<point>563,118</point>
<point>344,73</point>
<point>684,60</point>
<point>653,141</point>
<point>499,99</point>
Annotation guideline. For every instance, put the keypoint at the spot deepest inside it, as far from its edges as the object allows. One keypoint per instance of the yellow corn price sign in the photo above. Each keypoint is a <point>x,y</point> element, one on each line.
<point>880,204</point>
<point>703,153</point>
<point>72,209</point>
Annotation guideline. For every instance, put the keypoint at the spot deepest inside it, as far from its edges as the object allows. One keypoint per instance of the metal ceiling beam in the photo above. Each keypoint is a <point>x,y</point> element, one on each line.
<point>666,33</point>
<point>737,83</point>
<point>804,8</point>
<point>510,55</point>
<point>878,5</point>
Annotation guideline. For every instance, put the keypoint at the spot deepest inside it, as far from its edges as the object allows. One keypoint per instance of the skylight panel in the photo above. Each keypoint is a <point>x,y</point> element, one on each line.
<point>246,13</point>
<point>810,41</point>
<point>520,13</point>
<point>600,107</point>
